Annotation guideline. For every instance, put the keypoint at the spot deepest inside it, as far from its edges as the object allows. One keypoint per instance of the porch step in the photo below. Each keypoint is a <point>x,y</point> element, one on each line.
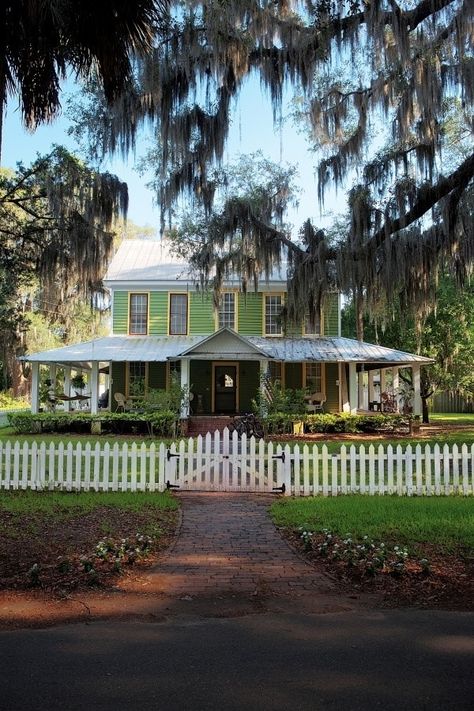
<point>201,425</point>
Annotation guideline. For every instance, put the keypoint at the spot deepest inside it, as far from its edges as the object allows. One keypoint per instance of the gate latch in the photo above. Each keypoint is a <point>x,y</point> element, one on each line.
<point>170,454</point>
<point>171,486</point>
<point>279,489</point>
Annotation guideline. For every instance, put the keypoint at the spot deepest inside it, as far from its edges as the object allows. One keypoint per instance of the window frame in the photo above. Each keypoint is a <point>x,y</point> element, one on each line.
<point>323,377</point>
<point>147,315</point>
<point>186,321</point>
<point>281,296</point>
<point>235,311</point>
<point>128,380</point>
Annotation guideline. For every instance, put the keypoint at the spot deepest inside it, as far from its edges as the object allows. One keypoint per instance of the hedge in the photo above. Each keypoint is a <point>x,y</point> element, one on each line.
<point>161,423</point>
<point>282,423</point>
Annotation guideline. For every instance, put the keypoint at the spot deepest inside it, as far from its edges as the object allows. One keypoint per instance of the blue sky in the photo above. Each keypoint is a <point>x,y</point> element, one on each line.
<point>252,130</point>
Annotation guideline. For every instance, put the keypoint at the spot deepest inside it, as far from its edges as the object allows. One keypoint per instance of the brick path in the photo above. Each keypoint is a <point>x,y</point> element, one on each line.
<point>228,545</point>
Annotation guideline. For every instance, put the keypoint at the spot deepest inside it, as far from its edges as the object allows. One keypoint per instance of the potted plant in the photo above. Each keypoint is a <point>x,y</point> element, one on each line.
<point>78,382</point>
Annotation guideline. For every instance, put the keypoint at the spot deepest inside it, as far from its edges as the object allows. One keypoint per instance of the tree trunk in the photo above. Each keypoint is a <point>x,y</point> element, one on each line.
<point>424,410</point>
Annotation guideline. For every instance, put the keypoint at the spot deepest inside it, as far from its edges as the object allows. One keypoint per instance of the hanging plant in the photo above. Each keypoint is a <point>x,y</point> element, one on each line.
<point>78,382</point>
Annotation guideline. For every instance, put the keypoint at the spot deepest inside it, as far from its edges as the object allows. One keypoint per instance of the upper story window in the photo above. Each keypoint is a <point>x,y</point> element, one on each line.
<point>273,304</point>
<point>138,315</point>
<point>312,327</point>
<point>178,325</point>
<point>227,310</point>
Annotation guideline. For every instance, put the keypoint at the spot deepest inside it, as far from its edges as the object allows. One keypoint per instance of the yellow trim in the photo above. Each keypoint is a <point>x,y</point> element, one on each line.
<point>264,310</point>
<point>323,375</point>
<point>235,327</point>
<point>188,311</point>
<point>215,364</point>
<point>139,293</point>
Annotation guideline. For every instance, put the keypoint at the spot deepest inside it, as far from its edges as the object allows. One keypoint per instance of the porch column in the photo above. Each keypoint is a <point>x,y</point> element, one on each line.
<point>353,388</point>
<point>52,375</point>
<point>396,386</point>
<point>416,373</point>
<point>34,388</point>
<point>185,386</point>
<point>67,387</point>
<point>383,382</point>
<point>95,388</point>
<point>371,386</point>
<point>360,387</point>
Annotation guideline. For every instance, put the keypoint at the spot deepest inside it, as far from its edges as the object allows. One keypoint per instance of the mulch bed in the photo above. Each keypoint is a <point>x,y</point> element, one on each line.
<point>448,585</point>
<point>41,552</point>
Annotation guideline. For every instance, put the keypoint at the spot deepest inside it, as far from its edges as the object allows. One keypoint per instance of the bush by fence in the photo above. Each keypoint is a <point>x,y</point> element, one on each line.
<point>282,423</point>
<point>161,424</point>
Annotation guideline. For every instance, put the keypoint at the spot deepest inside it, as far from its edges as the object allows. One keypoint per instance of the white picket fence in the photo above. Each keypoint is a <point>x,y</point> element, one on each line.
<point>224,462</point>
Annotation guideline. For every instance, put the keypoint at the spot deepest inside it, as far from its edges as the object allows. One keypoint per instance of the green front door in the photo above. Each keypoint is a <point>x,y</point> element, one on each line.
<point>225,389</point>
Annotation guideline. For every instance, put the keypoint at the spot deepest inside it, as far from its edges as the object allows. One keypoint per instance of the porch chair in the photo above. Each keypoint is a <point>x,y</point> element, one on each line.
<point>315,402</point>
<point>122,402</point>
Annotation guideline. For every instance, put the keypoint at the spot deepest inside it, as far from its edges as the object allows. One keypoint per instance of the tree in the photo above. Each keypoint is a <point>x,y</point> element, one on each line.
<point>408,217</point>
<point>41,41</point>
<point>446,334</point>
<point>56,220</point>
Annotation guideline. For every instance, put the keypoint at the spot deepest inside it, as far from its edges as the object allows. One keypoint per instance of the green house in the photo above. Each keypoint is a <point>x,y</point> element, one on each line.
<point>163,326</point>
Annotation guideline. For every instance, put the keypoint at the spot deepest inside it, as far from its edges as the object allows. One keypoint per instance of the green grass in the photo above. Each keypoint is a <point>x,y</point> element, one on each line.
<point>64,503</point>
<point>452,418</point>
<point>445,521</point>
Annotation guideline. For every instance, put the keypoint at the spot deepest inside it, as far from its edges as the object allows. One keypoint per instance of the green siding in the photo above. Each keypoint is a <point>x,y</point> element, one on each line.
<point>201,315</point>
<point>158,316</point>
<point>293,376</point>
<point>250,314</point>
<point>331,315</point>
<point>157,376</point>
<point>332,390</point>
<point>118,382</point>
<point>249,382</point>
<point>201,384</point>
<point>120,312</point>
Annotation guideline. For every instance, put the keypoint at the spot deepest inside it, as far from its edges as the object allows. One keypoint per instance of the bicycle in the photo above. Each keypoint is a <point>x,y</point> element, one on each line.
<point>247,424</point>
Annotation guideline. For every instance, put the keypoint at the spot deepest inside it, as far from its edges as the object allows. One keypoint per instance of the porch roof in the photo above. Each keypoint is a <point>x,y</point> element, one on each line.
<point>333,350</point>
<point>163,348</point>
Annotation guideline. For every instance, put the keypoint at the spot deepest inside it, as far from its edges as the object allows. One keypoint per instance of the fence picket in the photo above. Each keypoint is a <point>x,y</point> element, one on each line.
<point>233,464</point>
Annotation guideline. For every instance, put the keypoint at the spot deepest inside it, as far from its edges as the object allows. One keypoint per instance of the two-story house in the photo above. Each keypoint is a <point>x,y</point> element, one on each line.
<point>163,325</point>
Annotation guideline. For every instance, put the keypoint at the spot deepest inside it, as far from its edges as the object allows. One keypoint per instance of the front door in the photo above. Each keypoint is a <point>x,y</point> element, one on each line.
<point>225,389</point>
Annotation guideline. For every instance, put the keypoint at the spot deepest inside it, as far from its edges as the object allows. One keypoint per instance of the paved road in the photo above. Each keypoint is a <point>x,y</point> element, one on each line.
<point>349,661</point>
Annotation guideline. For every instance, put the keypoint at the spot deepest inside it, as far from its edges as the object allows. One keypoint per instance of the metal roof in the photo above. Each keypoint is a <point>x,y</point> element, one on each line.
<point>332,350</point>
<point>162,348</point>
<point>142,260</point>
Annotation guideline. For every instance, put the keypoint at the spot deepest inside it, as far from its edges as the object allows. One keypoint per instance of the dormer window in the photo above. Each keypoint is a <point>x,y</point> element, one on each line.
<point>178,325</point>
<point>227,310</point>
<point>138,315</point>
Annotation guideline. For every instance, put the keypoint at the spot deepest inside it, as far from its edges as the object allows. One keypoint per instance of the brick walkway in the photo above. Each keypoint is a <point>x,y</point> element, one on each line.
<point>228,545</point>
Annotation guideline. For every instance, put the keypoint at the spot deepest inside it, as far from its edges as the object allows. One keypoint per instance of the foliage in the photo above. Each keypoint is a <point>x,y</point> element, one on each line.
<point>56,220</point>
<point>9,402</point>
<point>161,424</point>
<point>159,399</point>
<point>272,399</point>
<point>356,67</point>
<point>282,423</point>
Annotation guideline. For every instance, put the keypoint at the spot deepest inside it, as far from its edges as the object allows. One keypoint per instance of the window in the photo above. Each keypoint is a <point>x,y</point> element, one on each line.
<point>174,372</point>
<point>227,311</point>
<point>178,314</point>
<point>138,321</point>
<point>312,327</point>
<point>275,372</point>
<point>273,315</point>
<point>314,377</point>
<point>136,379</point>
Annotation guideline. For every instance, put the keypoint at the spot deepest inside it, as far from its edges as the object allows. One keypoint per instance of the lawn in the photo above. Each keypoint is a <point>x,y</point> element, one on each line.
<point>61,541</point>
<point>444,521</point>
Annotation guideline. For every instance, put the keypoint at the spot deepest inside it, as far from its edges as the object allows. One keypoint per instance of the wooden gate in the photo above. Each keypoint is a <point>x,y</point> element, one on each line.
<point>226,462</point>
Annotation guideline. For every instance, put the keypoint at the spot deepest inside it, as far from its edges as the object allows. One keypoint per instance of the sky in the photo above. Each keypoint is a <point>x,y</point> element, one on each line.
<point>252,130</point>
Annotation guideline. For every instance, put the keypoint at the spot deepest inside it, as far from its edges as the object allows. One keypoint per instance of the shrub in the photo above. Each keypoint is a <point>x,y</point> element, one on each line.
<point>154,423</point>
